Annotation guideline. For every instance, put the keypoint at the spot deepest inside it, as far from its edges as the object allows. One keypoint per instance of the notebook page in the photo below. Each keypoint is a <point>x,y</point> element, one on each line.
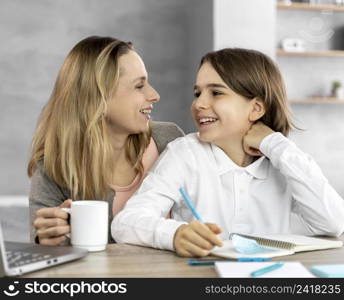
<point>240,270</point>
<point>302,243</point>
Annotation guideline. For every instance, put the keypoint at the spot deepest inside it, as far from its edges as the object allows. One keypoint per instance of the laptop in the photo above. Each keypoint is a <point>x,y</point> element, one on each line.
<point>20,258</point>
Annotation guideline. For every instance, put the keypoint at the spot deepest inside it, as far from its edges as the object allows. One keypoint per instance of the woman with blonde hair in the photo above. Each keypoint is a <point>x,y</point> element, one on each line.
<point>94,138</point>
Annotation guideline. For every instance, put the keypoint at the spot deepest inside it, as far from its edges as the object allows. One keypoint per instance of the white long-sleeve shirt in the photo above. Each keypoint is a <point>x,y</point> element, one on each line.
<point>260,198</point>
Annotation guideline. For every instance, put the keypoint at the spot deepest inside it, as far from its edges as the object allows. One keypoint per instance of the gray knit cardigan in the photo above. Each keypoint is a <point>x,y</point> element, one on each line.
<point>45,192</point>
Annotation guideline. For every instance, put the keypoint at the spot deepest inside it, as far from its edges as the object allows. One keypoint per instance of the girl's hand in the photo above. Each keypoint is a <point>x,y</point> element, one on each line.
<point>254,137</point>
<point>51,224</point>
<point>196,239</point>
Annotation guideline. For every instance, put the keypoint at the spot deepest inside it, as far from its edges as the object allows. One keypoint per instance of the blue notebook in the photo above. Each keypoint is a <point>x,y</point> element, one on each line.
<point>334,271</point>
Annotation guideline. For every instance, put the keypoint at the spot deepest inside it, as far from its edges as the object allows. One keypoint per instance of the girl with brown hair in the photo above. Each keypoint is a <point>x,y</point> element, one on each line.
<point>94,138</point>
<point>240,170</point>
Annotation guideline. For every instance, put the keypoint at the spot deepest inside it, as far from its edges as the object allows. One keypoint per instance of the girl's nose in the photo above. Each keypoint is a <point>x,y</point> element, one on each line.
<point>201,102</point>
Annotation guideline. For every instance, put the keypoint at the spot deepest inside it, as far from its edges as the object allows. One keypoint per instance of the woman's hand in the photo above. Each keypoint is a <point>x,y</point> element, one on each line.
<point>254,137</point>
<point>51,224</point>
<point>196,239</point>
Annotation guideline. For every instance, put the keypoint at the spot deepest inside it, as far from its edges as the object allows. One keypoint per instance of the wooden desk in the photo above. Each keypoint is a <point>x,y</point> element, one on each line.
<point>121,260</point>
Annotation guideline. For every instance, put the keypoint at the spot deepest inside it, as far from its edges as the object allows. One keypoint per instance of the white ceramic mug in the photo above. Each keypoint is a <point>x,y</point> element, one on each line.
<point>89,224</point>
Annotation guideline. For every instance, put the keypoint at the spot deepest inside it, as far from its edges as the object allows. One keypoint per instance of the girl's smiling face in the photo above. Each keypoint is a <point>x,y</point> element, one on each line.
<point>219,113</point>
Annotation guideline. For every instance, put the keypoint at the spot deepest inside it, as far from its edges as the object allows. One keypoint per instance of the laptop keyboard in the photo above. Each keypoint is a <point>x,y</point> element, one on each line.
<point>19,258</point>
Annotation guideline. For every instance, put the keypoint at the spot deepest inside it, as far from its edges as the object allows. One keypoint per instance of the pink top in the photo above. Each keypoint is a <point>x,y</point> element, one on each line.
<point>123,193</point>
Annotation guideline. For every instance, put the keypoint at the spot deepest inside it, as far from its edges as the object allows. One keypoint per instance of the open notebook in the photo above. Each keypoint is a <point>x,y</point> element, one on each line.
<point>276,245</point>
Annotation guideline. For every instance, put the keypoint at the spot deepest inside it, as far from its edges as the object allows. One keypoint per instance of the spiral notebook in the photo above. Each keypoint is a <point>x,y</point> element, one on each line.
<point>274,245</point>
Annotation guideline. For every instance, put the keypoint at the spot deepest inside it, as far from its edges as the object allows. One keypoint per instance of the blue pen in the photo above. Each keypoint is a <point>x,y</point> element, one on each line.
<point>249,259</point>
<point>196,262</point>
<point>189,204</point>
<point>267,269</point>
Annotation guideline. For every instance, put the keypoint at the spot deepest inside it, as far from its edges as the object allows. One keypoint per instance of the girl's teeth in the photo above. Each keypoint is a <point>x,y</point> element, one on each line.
<point>204,120</point>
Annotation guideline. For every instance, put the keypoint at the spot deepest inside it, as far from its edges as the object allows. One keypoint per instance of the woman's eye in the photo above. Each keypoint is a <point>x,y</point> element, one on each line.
<point>197,94</point>
<point>140,86</point>
<point>216,93</point>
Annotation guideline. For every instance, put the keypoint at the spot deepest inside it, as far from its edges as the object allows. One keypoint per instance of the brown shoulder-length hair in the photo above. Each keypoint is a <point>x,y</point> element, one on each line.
<point>72,137</point>
<point>251,74</point>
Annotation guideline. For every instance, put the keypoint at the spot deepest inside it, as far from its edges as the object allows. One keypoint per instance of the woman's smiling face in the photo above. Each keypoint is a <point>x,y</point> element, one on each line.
<point>130,107</point>
<point>218,112</point>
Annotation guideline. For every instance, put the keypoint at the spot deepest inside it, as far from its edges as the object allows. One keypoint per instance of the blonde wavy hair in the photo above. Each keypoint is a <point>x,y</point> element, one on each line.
<point>72,139</point>
<point>251,74</point>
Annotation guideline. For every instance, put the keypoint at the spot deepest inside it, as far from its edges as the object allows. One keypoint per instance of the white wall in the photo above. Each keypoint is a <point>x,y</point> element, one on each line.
<point>245,24</point>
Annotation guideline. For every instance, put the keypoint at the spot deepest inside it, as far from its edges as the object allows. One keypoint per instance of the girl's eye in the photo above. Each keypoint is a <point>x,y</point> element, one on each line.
<point>140,86</point>
<point>197,94</point>
<point>216,93</point>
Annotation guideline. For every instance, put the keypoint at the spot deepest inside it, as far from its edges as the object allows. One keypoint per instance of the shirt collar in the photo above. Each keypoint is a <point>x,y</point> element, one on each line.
<point>258,169</point>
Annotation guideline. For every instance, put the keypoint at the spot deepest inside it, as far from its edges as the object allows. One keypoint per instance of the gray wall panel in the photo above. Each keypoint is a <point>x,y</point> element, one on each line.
<point>36,35</point>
